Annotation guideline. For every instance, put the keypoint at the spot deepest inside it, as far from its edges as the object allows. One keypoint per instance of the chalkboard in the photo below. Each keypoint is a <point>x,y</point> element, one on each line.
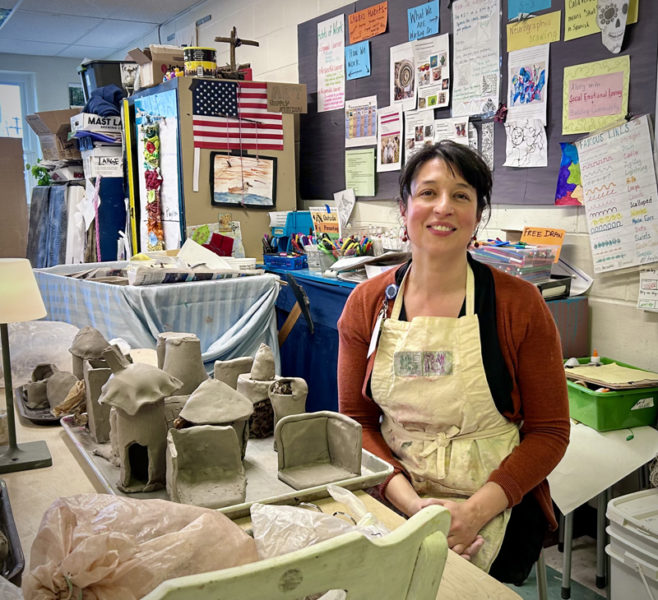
<point>322,143</point>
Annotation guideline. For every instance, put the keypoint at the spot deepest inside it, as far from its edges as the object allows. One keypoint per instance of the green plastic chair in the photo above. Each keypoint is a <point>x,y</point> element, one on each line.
<point>406,564</point>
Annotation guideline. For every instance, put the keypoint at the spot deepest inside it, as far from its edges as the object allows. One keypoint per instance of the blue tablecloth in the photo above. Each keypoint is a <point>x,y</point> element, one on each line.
<point>231,317</point>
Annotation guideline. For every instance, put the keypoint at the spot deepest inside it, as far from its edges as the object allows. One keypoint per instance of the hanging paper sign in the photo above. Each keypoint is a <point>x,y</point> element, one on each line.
<point>423,20</point>
<point>368,22</point>
<point>534,32</point>
<point>331,64</point>
<point>544,236</point>
<point>288,98</point>
<point>357,60</point>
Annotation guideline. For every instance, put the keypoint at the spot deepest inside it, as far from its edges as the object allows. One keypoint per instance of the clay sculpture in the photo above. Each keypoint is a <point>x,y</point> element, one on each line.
<point>96,372</point>
<point>216,403</point>
<point>137,421</point>
<point>87,343</point>
<point>229,370</point>
<point>172,406</point>
<point>37,398</point>
<point>204,467</point>
<point>255,386</point>
<point>182,360</point>
<point>58,385</point>
<point>288,397</point>
<point>317,448</point>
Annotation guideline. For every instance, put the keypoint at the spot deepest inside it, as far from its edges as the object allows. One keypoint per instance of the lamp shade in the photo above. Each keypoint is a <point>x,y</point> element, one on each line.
<point>20,299</point>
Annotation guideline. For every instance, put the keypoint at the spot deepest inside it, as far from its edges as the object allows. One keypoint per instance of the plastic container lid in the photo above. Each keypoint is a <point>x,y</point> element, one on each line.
<point>638,510</point>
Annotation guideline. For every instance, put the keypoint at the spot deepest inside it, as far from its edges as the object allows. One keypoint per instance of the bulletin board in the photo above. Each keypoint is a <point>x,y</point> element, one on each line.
<point>322,143</point>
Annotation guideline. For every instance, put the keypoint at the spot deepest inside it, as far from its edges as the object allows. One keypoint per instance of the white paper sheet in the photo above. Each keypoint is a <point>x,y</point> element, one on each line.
<point>345,200</point>
<point>361,122</point>
<point>389,138</point>
<point>403,76</point>
<point>527,83</point>
<point>432,59</point>
<point>648,295</point>
<point>580,281</point>
<point>331,63</point>
<point>455,129</point>
<point>526,143</point>
<point>195,254</point>
<point>418,131</point>
<point>476,45</point>
<point>596,460</point>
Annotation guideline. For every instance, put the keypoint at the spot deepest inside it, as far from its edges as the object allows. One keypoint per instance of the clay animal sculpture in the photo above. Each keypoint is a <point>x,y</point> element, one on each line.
<point>204,467</point>
<point>138,426</point>
<point>317,448</point>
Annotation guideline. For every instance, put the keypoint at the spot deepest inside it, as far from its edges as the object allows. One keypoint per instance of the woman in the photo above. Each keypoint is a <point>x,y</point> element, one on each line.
<point>454,371</point>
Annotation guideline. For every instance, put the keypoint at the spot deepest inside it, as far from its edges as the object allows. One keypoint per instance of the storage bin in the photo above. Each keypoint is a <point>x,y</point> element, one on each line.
<point>633,547</point>
<point>99,73</point>
<point>606,411</point>
<point>319,261</point>
<point>285,262</point>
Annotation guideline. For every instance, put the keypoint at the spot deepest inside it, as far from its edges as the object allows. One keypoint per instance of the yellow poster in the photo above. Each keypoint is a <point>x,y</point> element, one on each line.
<point>595,95</point>
<point>534,32</point>
<point>580,18</point>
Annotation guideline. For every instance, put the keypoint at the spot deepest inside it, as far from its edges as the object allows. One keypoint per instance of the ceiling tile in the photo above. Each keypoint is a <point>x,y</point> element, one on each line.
<point>46,27</point>
<point>36,48</point>
<point>115,34</point>
<point>83,8</point>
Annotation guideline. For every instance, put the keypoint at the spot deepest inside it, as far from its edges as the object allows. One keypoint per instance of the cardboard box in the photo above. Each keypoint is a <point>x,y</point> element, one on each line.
<point>52,128</point>
<point>14,222</point>
<point>154,61</point>
<point>106,161</point>
<point>92,122</point>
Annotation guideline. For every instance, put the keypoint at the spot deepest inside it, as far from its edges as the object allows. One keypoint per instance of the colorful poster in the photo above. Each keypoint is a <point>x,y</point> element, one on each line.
<point>423,20</point>
<point>526,143</point>
<point>621,200</point>
<point>418,131</point>
<point>432,59</point>
<point>528,83</point>
<point>595,95</point>
<point>403,76</point>
<point>368,22</point>
<point>389,138</point>
<point>580,17</point>
<point>476,41</point>
<point>517,7</point>
<point>569,189</point>
<point>533,32</point>
<point>360,171</point>
<point>361,122</point>
<point>331,64</point>
<point>357,60</point>
<point>455,129</point>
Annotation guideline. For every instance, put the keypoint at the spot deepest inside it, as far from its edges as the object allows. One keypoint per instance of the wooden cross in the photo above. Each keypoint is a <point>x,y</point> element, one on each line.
<point>235,41</point>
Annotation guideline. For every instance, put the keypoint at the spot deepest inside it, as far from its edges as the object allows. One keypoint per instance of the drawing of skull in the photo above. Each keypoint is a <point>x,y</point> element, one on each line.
<point>611,19</point>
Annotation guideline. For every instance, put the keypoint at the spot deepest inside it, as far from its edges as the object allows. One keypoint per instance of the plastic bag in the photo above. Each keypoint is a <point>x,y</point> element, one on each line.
<point>8,591</point>
<point>103,547</point>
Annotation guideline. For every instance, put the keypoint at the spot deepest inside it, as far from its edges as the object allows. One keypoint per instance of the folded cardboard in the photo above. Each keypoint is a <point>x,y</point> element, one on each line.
<point>14,222</point>
<point>53,127</point>
<point>104,161</point>
<point>92,122</point>
<point>154,61</point>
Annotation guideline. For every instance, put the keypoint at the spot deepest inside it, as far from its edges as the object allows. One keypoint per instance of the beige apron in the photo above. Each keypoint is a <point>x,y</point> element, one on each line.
<point>439,417</point>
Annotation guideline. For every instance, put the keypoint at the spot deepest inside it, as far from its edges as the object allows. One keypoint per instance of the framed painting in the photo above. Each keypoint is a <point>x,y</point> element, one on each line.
<point>243,180</point>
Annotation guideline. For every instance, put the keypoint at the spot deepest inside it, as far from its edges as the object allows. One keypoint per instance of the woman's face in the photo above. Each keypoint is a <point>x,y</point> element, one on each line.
<point>442,210</point>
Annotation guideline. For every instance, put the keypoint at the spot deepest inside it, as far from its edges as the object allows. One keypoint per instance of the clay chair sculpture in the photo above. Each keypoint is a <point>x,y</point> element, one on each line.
<point>204,467</point>
<point>138,428</point>
<point>406,564</point>
<point>317,448</point>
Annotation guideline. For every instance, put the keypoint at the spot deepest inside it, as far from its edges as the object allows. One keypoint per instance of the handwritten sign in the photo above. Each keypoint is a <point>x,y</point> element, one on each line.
<point>544,236</point>
<point>621,201</point>
<point>580,17</point>
<point>648,296</point>
<point>595,95</point>
<point>423,20</point>
<point>357,60</point>
<point>331,64</point>
<point>515,7</point>
<point>288,98</point>
<point>534,32</point>
<point>368,22</point>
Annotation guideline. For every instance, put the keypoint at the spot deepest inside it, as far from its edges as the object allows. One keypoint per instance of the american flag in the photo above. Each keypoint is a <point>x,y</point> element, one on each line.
<point>232,115</point>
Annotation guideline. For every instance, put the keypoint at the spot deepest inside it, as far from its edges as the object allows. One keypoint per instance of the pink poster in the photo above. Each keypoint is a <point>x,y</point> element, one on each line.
<point>597,96</point>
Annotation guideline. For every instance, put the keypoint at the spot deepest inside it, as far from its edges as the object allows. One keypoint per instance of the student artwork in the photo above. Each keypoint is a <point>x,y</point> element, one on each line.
<point>526,144</point>
<point>611,18</point>
<point>389,139</point>
<point>150,132</point>
<point>432,62</point>
<point>582,18</point>
<point>243,180</point>
<point>403,76</point>
<point>488,144</point>
<point>418,131</point>
<point>569,190</point>
<point>528,83</point>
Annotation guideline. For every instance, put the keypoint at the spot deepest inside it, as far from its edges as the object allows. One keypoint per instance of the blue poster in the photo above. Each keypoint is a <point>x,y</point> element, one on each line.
<point>357,60</point>
<point>423,20</point>
<point>514,7</point>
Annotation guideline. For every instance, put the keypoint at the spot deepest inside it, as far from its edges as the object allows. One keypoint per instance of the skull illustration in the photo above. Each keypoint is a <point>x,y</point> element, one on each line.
<point>611,19</point>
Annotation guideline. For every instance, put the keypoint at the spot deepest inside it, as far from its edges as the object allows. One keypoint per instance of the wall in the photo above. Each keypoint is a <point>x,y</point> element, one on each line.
<point>52,76</point>
<point>618,329</point>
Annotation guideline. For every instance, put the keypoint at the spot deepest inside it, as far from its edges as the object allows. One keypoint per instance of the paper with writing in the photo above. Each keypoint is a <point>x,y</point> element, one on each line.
<point>432,60</point>
<point>361,122</point>
<point>325,220</point>
<point>288,98</point>
<point>533,32</point>
<point>331,63</point>
<point>580,17</point>
<point>621,200</point>
<point>360,171</point>
<point>357,60</point>
<point>648,296</point>
<point>528,83</point>
<point>389,138</point>
<point>423,20</point>
<point>455,129</point>
<point>544,236</point>
<point>368,22</point>
<point>345,200</point>
<point>595,95</point>
<point>403,76</point>
<point>476,42</point>
<point>418,131</point>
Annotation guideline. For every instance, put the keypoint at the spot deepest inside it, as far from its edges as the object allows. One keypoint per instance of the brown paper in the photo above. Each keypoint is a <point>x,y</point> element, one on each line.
<point>286,97</point>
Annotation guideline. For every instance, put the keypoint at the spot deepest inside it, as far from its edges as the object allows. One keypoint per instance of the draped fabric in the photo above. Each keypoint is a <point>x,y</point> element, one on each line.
<point>36,236</point>
<point>57,226</point>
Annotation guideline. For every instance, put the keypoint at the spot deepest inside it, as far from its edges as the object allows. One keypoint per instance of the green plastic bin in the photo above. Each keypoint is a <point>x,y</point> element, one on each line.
<point>606,411</point>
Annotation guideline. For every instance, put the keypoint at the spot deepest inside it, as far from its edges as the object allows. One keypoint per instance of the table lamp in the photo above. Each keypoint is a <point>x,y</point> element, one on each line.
<point>20,300</point>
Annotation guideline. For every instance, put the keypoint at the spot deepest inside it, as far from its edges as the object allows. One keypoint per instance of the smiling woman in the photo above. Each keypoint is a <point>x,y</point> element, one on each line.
<point>436,361</point>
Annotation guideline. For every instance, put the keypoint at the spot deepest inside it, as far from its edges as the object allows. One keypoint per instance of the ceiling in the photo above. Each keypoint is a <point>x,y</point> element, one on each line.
<point>94,29</point>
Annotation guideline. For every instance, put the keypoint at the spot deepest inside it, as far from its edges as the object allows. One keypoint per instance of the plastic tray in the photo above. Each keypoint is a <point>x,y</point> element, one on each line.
<point>261,466</point>
<point>12,568</point>
<point>606,411</point>
<point>285,262</point>
<point>41,416</point>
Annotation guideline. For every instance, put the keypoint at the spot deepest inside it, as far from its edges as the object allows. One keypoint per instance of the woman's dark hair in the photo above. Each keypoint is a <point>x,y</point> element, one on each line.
<point>461,160</point>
